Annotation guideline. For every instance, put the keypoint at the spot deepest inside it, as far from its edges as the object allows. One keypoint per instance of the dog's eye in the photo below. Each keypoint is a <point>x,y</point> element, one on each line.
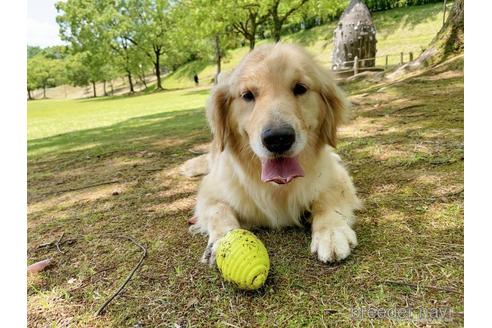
<point>248,96</point>
<point>299,89</point>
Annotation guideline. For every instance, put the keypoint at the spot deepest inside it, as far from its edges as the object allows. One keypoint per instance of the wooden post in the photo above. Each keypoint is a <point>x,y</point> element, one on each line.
<point>356,65</point>
<point>401,58</point>
<point>386,62</point>
<point>410,56</point>
<point>444,14</point>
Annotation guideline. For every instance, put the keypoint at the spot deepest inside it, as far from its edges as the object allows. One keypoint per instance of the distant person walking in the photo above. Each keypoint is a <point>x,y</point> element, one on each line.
<point>195,78</point>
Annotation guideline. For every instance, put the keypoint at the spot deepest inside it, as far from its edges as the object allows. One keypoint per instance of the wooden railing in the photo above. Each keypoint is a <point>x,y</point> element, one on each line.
<point>358,64</point>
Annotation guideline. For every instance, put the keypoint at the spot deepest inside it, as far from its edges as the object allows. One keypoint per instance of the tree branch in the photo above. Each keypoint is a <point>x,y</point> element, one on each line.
<point>402,283</point>
<point>288,13</point>
<point>118,291</point>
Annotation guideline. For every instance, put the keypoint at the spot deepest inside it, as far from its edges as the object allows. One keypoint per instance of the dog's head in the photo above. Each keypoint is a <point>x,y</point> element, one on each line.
<point>276,105</point>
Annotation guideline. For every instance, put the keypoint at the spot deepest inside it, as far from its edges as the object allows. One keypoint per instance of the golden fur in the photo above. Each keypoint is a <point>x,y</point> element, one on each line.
<point>232,195</point>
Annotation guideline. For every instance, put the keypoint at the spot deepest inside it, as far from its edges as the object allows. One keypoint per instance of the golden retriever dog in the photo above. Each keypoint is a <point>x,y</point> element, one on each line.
<point>274,122</point>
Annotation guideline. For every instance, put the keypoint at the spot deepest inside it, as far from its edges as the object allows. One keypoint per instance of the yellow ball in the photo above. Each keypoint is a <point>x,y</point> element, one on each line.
<point>243,259</point>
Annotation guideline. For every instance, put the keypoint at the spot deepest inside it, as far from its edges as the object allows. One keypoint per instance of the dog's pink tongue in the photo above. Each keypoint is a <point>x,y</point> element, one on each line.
<point>280,170</point>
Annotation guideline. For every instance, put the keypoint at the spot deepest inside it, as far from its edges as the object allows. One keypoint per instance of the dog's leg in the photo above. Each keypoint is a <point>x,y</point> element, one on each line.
<point>216,219</point>
<point>332,236</point>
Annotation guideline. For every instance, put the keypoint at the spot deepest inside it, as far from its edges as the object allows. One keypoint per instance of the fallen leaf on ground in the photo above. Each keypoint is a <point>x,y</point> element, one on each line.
<point>38,266</point>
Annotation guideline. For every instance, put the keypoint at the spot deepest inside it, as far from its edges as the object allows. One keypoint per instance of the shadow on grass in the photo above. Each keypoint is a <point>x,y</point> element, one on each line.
<point>307,38</point>
<point>178,124</point>
<point>151,89</point>
<point>405,18</point>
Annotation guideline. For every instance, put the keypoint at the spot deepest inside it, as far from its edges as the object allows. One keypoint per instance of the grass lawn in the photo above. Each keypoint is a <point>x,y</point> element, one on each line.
<point>103,168</point>
<point>54,117</point>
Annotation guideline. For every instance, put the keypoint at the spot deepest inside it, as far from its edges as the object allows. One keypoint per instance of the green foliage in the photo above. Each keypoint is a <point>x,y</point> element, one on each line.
<point>204,30</point>
<point>32,51</point>
<point>79,25</point>
<point>44,72</point>
<point>76,69</point>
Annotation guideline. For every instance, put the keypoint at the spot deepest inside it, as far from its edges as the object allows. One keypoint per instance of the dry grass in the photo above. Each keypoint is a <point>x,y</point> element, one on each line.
<point>404,148</point>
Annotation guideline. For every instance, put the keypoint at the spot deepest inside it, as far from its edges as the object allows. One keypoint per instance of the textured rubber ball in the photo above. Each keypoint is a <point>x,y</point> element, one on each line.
<point>242,259</point>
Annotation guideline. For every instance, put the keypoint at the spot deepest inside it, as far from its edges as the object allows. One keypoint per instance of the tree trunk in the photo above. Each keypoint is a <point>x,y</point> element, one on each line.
<point>276,30</point>
<point>444,13</point>
<point>29,94</point>
<point>455,24</point>
<point>94,88</point>
<point>451,38</point>
<point>254,26</point>
<point>448,41</point>
<point>252,42</point>
<point>142,78</point>
<point>252,36</point>
<point>158,69</point>
<point>112,91</point>
<point>278,21</point>
<point>104,88</point>
<point>130,82</point>
<point>218,56</point>
<point>44,91</point>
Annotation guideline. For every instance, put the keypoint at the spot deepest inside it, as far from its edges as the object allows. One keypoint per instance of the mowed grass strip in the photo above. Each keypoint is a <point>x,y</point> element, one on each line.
<point>52,117</point>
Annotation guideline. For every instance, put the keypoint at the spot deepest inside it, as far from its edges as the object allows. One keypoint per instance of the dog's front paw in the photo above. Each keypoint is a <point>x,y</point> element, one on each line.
<point>208,256</point>
<point>333,243</point>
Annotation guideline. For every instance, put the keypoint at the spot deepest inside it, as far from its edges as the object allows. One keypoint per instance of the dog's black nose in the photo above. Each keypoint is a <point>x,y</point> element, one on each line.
<point>278,140</point>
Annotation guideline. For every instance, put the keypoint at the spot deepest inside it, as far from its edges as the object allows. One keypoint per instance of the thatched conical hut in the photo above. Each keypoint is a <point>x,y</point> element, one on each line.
<point>354,36</point>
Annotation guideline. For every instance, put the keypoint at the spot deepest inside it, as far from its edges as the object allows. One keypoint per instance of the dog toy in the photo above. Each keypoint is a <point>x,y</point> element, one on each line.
<point>242,259</point>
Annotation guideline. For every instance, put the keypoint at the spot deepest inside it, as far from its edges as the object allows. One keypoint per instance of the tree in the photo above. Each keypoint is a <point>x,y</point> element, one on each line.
<point>279,11</point>
<point>251,15</point>
<point>76,71</point>
<point>124,59</point>
<point>32,79</point>
<point>448,41</point>
<point>209,25</point>
<point>315,13</point>
<point>43,72</point>
<point>152,22</point>
<point>451,38</point>
<point>78,21</point>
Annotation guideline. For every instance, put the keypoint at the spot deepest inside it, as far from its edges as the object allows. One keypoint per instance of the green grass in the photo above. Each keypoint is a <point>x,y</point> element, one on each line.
<point>51,117</point>
<point>407,163</point>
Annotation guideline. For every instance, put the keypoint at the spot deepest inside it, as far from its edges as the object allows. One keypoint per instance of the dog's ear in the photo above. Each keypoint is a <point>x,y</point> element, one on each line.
<point>217,109</point>
<point>336,108</point>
